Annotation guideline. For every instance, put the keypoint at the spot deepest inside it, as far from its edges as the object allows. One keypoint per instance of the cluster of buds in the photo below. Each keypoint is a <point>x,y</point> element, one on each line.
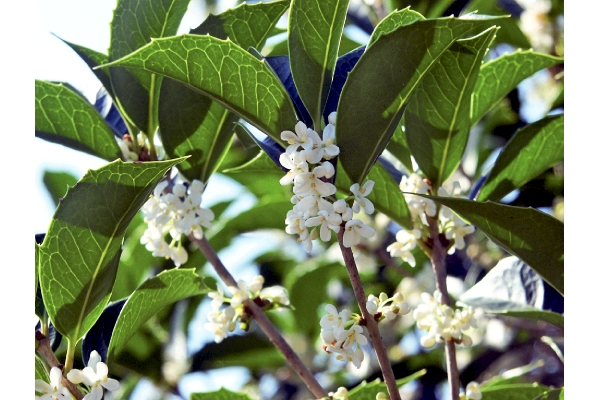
<point>176,214</point>
<point>473,392</point>
<point>223,320</point>
<point>387,307</point>
<point>92,381</point>
<point>307,159</point>
<point>453,227</point>
<point>342,335</point>
<point>443,323</point>
<point>138,151</point>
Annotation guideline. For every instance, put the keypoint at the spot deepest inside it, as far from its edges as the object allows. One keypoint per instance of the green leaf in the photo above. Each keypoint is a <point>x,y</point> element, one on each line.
<point>393,21</point>
<point>437,116</point>
<point>193,124</point>
<point>94,58</point>
<point>40,371</point>
<point>247,25</point>
<point>223,71</point>
<point>377,89</point>
<point>165,288</point>
<point>386,195</point>
<point>222,394</point>
<point>315,31</point>
<point>57,183</point>
<point>368,391</point>
<point>398,146</point>
<point>531,235</point>
<point>552,394</point>
<point>40,310</point>
<point>80,254</point>
<point>498,77</point>
<point>64,117</point>
<point>135,23</point>
<point>533,314</point>
<point>518,391</point>
<point>531,151</point>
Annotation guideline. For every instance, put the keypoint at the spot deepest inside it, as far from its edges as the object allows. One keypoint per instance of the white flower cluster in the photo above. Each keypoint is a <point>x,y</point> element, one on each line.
<point>388,307</point>
<point>454,228</point>
<point>94,378</point>
<point>177,214</point>
<point>337,339</point>
<point>306,158</point>
<point>442,322</point>
<point>340,394</point>
<point>473,392</point>
<point>222,320</point>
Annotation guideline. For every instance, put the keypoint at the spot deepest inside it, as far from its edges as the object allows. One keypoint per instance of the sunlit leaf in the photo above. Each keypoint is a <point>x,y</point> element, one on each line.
<point>368,391</point>
<point>57,183</point>
<point>378,88</point>
<point>517,391</point>
<point>223,71</point>
<point>315,30</point>
<point>498,77</point>
<point>437,116</point>
<point>222,394</point>
<point>165,288</point>
<point>80,254</point>
<point>531,235</point>
<point>40,371</point>
<point>531,151</point>
<point>393,21</point>
<point>64,117</point>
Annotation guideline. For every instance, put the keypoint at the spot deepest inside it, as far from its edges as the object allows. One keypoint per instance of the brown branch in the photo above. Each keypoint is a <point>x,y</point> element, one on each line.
<point>438,261</point>
<point>43,348</point>
<point>371,324</point>
<point>261,319</point>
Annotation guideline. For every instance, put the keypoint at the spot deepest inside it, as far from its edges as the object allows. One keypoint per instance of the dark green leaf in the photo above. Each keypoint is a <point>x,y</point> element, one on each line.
<point>165,288</point>
<point>393,21</point>
<point>531,235</point>
<point>368,391</point>
<point>386,195</point>
<point>315,31</point>
<point>40,310</point>
<point>223,71</point>
<point>398,146</point>
<point>136,23</point>
<point>247,25</point>
<point>518,391</point>
<point>80,254</point>
<point>498,77</point>
<point>57,183</point>
<point>531,151</point>
<point>64,117</point>
<point>375,95</point>
<point>222,394</point>
<point>437,116</point>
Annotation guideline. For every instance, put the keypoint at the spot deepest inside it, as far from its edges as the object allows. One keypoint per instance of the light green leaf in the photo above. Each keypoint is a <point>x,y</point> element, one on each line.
<point>222,394</point>
<point>552,394</point>
<point>190,122</point>
<point>135,23</point>
<point>517,391</point>
<point>154,294</point>
<point>57,183</point>
<point>315,31</point>
<point>437,116</point>
<point>368,391</point>
<point>386,195</point>
<point>40,371</point>
<point>531,151</point>
<point>223,71</point>
<point>498,77</point>
<point>531,235</point>
<point>80,254</point>
<point>247,25</point>
<point>392,21</point>
<point>533,314</point>
<point>377,89</point>
<point>64,117</point>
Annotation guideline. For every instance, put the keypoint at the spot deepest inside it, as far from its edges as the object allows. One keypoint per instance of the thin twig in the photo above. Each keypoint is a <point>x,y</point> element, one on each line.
<point>438,261</point>
<point>372,327</point>
<point>261,319</point>
<point>43,348</point>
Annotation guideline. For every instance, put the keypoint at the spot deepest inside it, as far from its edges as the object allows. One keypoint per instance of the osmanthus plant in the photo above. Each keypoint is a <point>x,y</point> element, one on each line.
<point>366,144</point>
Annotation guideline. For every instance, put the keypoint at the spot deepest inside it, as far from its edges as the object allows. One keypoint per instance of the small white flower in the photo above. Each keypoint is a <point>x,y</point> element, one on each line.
<point>354,230</point>
<point>473,391</point>
<point>95,376</point>
<point>360,195</point>
<point>53,390</point>
<point>340,394</point>
<point>328,221</point>
<point>276,294</point>
<point>239,293</point>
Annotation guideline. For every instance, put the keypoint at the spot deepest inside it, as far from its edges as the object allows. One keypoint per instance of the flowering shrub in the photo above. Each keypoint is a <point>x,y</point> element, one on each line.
<point>374,144</point>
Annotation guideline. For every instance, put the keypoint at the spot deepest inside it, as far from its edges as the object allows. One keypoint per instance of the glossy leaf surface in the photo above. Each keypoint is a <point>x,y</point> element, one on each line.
<point>221,394</point>
<point>530,152</point>
<point>314,39</point>
<point>80,254</point>
<point>64,117</point>
<point>393,21</point>
<point>437,116</point>
<point>368,391</point>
